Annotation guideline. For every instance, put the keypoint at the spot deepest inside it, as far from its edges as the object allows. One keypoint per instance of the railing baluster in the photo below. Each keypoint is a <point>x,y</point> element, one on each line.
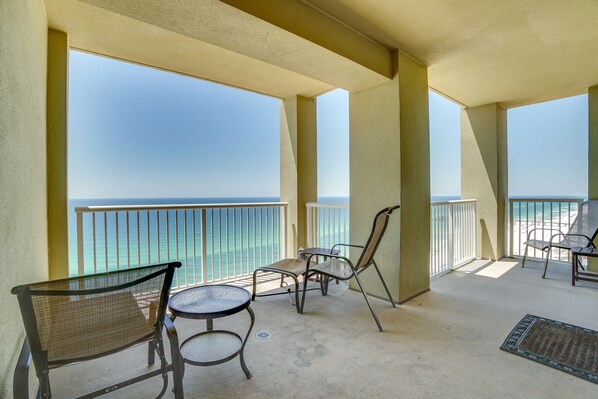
<point>149,251</point>
<point>186,246</point>
<point>193,226</point>
<point>95,268</point>
<point>106,240</point>
<point>128,242</point>
<point>254,240</point>
<point>158,235</point>
<point>204,246</point>
<point>80,243</point>
<point>138,240</point>
<point>117,243</point>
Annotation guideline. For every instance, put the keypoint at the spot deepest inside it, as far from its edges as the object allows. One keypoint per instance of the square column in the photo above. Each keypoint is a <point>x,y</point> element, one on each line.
<point>389,165</point>
<point>56,130</point>
<point>298,166</point>
<point>593,143</point>
<point>484,175</point>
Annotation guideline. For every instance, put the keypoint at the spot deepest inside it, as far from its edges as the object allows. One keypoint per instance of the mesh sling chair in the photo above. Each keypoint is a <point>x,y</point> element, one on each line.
<point>341,268</point>
<point>83,318</point>
<point>582,233</point>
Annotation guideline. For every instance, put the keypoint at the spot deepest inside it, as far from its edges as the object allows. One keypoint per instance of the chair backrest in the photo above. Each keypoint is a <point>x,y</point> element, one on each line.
<point>86,317</point>
<point>378,229</point>
<point>586,222</point>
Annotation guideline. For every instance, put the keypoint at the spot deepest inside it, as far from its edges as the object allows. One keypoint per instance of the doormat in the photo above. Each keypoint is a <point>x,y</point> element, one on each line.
<point>563,346</point>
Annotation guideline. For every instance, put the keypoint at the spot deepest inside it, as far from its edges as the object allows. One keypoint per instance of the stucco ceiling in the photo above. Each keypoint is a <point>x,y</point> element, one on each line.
<point>477,51</point>
<point>481,51</point>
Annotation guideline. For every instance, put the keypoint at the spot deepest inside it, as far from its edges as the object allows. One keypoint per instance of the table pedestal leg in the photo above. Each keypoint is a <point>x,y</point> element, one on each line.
<point>573,269</point>
<point>242,354</point>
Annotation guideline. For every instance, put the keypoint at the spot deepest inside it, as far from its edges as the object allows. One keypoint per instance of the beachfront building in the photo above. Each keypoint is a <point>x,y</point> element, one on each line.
<point>488,56</point>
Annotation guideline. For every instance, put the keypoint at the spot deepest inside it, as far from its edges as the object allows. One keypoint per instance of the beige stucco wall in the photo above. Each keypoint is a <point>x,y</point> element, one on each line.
<point>298,165</point>
<point>389,153</point>
<point>484,174</point>
<point>23,228</point>
<point>58,55</point>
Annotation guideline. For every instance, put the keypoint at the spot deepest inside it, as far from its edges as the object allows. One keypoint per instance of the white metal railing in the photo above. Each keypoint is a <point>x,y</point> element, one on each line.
<point>452,235</point>
<point>214,242</point>
<point>452,231</point>
<point>547,215</point>
<point>327,225</point>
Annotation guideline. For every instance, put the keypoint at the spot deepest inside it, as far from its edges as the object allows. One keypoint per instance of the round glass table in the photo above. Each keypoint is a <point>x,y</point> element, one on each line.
<point>210,302</point>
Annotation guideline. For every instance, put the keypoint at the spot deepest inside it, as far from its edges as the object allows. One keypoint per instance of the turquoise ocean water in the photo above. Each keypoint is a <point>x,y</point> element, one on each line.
<point>232,248</point>
<point>237,240</point>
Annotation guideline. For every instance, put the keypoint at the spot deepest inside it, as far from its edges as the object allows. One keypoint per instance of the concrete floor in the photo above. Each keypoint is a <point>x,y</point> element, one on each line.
<point>443,344</point>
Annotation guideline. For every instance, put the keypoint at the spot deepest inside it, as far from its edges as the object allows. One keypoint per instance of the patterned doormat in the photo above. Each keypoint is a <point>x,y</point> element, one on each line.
<point>565,347</point>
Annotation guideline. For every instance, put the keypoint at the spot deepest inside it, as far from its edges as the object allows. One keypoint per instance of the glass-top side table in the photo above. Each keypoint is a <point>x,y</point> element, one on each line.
<point>585,275</point>
<point>210,302</point>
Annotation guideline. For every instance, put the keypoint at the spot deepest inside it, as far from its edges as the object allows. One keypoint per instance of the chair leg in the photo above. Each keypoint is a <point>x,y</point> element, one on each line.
<point>151,353</point>
<point>546,262</point>
<point>365,296</point>
<point>297,305</point>
<point>524,255</point>
<point>177,361</point>
<point>21,374</point>
<point>306,278</point>
<point>384,284</point>
<point>254,283</point>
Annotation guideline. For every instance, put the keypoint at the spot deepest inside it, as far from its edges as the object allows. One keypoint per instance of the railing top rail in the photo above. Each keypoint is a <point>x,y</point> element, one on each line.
<point>462,201</point>
<point>325,205</point>
<point>119,208</point>
<point>554,199</point>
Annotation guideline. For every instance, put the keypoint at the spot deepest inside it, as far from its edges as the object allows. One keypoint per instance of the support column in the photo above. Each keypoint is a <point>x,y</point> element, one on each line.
<point>56,128</point>
<point>593,157</point>
<point>389,165</point>
<point>593,143</point>
<point>298,166</point>
<point>484,174</point>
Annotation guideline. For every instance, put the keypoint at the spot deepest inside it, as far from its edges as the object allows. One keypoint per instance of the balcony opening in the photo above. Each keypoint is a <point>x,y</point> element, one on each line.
<point>548,170</point>
<point>445,148</point>
<point>142,136</point>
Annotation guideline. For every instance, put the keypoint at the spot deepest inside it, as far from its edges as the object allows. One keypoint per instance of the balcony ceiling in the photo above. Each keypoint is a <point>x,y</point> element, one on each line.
<point>477,52</point>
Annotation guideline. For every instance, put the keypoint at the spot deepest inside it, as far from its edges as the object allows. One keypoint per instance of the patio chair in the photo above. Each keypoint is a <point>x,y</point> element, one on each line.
<point>582,233</point>
<point>341,268</point>
<point>83,318</point>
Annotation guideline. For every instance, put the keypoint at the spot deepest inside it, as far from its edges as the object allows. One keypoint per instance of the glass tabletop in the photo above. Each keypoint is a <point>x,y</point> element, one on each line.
<point>318,251</point>
<point>209,301</point>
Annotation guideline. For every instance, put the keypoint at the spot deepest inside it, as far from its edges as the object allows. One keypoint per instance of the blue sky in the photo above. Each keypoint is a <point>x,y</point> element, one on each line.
<point>548,148</point>
<point>137,132</point>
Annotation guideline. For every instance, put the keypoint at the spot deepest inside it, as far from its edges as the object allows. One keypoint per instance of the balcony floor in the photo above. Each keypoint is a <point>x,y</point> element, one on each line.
<point>443,344</point>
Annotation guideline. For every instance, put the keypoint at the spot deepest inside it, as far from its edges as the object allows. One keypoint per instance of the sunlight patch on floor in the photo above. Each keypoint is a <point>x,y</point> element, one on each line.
<point>474,266</point>
<point>497,269</point>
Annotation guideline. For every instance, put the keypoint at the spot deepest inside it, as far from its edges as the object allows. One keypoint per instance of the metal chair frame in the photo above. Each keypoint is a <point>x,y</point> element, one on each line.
<point>32,346</point>
<point>362,264</point>
<point>553,243</point>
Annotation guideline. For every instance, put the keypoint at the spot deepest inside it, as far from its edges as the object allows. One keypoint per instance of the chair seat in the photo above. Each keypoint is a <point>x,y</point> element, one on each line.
<point>294,266</point>
<point>335,268</point>
<point>567,243</point>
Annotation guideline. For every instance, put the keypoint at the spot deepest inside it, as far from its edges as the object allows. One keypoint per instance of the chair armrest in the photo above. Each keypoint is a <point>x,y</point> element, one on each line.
<point>336,257</point>
<point>20,389</point>
<point>529,234</point>
<point>590,243</point>
<point>346,245</point>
